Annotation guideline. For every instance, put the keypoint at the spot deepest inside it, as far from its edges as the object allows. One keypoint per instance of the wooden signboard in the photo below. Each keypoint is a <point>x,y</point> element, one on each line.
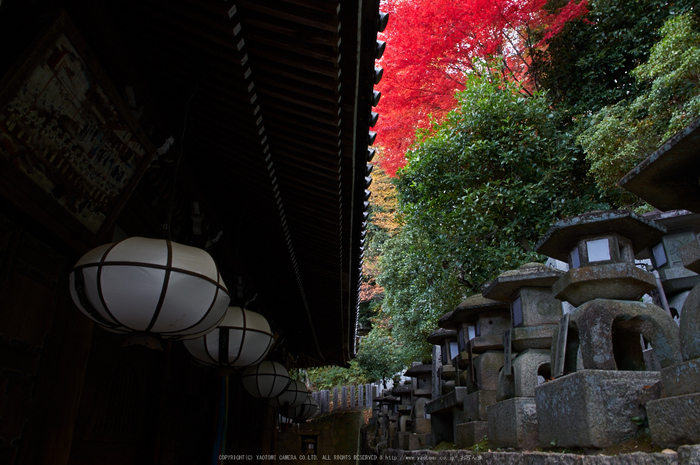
<point>560,348</point>
<point>507,351</point>
<point>471,368</point>
<point>71,153</point>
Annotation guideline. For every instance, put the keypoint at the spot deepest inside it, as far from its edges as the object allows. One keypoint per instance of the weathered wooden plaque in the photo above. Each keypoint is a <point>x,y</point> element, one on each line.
<point>71,149</point>
<point>560,348</point>
<point>507,351</point>
<point>472,368</point>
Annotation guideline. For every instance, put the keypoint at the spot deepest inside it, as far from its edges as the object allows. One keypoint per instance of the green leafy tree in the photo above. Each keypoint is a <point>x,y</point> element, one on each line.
<point>322,378</point>
<point>622,135</point>
<point>379,356</point>
<point>588,65</point>
<point>418,287</point>
<point>475,197</point>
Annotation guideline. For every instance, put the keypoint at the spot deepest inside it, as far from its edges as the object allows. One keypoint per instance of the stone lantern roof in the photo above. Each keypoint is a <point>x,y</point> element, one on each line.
<point>564,234</point>
<point>527,275</point>
<point>401,389</point>
<point>419,370</point>
<point>438,336</point>
<point>668,178</point>
<point>387,399</point>
<point>468,311</point>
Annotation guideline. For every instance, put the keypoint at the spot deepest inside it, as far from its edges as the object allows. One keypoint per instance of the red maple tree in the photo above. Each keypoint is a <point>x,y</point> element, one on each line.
<point>434,45</point>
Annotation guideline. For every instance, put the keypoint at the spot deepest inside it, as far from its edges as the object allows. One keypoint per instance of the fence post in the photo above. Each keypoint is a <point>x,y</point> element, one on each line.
<point>360,397</point>
<point>317,397</point>
<point>325,398</point>
<point>343,398</point>
<point>336,405</point>
<point>353,403</point>
<point>375,405</point>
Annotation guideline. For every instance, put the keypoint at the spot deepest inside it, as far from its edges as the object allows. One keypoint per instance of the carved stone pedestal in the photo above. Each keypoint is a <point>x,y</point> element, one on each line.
<point>513,423</point>
<point>592,408</point>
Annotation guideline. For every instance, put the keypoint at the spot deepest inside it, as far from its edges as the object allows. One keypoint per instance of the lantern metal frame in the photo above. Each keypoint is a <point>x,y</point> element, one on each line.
<point>253,375</point>
<point>97,307</point>
<point>293,396</point>
<point>308,409</point>
<point>232,332</point>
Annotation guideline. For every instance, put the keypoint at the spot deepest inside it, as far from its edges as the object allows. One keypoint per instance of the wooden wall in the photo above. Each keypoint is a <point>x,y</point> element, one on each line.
<point>69,392</point>
<point>43,344</point>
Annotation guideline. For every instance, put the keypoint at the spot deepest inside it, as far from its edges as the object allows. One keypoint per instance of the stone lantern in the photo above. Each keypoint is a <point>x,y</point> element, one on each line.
<point>404,393</point>
<point>668,180</point>
<point>421,374</point>
<point>480,324</point>
<point>677,280</point>
<point>420,437</point>
<point>443,371</point>
<point>673,421</point>
<point>599,345</point>
<point>535,314</point>
<point>387,417</point>
<point>460,416</point>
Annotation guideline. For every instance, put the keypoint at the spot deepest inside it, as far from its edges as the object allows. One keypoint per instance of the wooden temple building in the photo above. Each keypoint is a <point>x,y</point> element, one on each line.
<point>240,127</point>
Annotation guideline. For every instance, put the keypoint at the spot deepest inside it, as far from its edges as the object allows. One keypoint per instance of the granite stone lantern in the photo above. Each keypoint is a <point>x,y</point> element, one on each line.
<point>461,414</point>
<point>683,228</point>
<point>598,347</point>
<point>420,436</point>
<point>387,418</point>
<point>480,324</point>
<point>668,179</point>
<point>444,372</point>
<point>673,420</point>
<point>535,315</point>
<point>403,392</point>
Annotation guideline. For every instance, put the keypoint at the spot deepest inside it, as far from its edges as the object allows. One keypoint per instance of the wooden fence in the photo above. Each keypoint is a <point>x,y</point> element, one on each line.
<point>346,398</point>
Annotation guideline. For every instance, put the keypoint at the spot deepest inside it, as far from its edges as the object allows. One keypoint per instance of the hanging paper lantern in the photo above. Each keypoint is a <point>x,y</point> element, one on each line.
<point>293,396</point>
<point>306,410</point>
<point>150,286</point>
<point>243,338</point>
<point>267,380</point>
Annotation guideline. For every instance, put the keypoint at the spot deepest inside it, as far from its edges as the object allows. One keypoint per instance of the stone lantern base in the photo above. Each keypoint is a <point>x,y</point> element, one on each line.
<point>675,420</point>
<point>475,405</point>
<point>592,408</point>
<point>513,423</point>
<point>470,433</point>
<point>446,412</point>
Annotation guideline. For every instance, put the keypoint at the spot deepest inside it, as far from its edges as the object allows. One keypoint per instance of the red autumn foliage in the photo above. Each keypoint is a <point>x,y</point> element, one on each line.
<point>433,46</point>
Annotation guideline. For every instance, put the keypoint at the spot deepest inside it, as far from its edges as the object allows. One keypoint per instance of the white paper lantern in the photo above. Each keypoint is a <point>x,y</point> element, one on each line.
<point>267,380</point>
<point>150,286</point>
<point>306,410</point>
<point>293,396</point>
<point>243,338</point>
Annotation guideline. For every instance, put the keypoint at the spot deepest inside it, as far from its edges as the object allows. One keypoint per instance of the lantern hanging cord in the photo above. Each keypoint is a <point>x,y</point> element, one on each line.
<point>251,300</point>
<point>177,164</point>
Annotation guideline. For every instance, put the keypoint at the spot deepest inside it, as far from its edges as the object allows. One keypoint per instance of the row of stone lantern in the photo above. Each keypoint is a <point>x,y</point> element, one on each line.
<point>479,324</point>
<point>517,369</point>
<point>588,376</point>
<point>402,422</point>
